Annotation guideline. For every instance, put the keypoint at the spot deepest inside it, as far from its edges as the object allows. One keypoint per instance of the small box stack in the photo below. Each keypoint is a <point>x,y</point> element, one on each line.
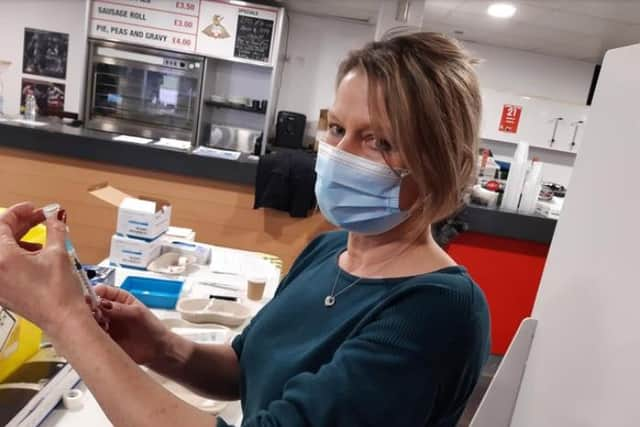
<point>142,222</point>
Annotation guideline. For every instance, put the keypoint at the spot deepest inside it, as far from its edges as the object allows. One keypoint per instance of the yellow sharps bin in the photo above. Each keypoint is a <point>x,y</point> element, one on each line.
<point>24,339</point>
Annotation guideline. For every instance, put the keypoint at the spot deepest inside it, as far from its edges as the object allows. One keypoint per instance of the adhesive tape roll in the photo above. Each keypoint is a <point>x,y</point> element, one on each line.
<point>72,399</point>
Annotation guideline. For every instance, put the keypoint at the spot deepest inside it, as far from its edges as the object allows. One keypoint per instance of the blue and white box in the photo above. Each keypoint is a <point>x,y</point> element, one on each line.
<point>140,218</point>
<point>133,253</point>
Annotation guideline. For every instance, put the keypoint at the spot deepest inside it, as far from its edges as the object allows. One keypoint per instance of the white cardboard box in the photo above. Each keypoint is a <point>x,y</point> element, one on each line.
<point>201,252</point>
<point>141,218</point>
<point>180,233</point>
<point>136,253</point>
<point>550,209</point>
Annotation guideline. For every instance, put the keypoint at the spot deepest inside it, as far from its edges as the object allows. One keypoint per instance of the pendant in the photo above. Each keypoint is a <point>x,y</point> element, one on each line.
<point>329,301</point>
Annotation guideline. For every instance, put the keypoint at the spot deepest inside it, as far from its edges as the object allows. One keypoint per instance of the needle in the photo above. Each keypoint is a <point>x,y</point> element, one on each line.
<point>49,212</point>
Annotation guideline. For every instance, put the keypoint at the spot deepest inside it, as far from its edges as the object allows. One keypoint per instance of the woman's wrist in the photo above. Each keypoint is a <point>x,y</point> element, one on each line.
<point>173,352</point>
<point>64,322</point>
<point>72,330</point>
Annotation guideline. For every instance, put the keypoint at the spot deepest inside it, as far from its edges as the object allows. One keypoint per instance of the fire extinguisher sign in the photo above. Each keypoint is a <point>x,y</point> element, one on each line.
<point>510,118</point>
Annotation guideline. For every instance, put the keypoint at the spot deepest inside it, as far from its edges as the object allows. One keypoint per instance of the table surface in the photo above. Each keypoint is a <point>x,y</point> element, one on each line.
<point>244,262</point>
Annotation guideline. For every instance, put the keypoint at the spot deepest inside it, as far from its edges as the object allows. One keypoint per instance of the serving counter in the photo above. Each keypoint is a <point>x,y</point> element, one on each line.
<point>79,143</point>
<point>504,251</point>
<point>58,163</point>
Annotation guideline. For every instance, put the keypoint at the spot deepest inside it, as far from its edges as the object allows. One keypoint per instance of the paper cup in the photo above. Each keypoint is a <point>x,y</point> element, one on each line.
<point>255,288</point>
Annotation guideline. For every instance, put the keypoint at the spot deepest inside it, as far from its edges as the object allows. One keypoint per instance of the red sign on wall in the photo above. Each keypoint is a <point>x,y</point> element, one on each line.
<point>510,118</point>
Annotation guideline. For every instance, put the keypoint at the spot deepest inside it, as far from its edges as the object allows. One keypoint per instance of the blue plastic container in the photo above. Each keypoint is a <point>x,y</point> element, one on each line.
<point>154,293</point>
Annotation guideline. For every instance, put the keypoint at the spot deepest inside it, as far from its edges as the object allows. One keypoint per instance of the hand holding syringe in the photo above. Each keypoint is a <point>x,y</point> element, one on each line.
<point>51,211</point>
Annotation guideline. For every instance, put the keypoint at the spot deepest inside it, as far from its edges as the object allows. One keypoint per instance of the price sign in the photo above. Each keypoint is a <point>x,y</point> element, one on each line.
<point>183,23</point>
<point>188,6</point>
<point>215,28</point>
<point>165,24</point>
<point>510,118</point>
<point>181,41</point>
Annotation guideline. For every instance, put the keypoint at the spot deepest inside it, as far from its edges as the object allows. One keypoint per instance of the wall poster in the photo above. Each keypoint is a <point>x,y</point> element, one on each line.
<point>45,53</point>
<point>49,96</point>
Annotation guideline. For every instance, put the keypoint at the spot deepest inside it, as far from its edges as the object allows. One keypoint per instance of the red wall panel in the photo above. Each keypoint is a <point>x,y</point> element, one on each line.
<point>509,273</point>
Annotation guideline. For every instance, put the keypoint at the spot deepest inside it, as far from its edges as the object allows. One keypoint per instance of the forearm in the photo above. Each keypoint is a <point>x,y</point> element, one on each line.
<point>213,370</point>
<point>127,395</point>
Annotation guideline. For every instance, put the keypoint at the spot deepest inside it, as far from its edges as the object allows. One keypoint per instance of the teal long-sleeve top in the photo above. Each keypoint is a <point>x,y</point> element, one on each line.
<point>390,352</point>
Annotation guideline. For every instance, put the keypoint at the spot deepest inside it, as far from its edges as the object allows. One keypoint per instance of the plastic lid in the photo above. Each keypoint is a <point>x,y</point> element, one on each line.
<point>50,211</point>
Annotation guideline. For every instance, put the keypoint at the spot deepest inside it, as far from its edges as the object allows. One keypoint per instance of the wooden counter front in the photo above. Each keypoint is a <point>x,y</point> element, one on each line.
<point>220,213</point>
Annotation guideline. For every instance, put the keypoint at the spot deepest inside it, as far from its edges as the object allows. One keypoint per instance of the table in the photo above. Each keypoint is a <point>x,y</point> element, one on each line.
<point>91,414</point>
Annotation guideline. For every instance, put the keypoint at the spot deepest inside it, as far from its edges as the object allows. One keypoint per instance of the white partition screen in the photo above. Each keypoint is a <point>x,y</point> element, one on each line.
<point>584,365</point>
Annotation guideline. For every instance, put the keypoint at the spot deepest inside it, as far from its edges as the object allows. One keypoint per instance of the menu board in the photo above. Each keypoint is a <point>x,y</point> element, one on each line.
<point>214,28</point>
<point>253,38</point>
<point>230,31</point>
<point>163,24</point>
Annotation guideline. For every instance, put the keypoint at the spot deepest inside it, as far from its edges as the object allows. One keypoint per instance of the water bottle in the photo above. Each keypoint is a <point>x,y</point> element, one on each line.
<point>1,99</point>
<point>30,107</point>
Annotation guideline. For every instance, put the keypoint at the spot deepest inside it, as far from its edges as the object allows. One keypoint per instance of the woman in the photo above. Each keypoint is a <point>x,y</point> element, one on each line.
<point>374,325</point>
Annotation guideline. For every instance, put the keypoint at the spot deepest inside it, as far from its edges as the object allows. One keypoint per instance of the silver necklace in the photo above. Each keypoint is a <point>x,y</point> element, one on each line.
<point>330,299</point>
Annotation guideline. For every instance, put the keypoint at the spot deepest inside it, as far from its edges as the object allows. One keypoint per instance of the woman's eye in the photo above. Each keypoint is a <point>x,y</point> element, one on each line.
<point>381,145</point>
<point>335,134</point>
<point>335,130</point>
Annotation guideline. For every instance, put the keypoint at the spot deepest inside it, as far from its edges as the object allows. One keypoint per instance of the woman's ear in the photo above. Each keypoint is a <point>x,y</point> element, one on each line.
<point>408,192</point>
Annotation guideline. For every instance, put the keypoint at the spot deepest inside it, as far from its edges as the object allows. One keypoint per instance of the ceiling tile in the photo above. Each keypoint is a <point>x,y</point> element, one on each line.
<point>470,34</point>
<point>352,9</point>
<point>524,12</point>
<point>624,11</point>
<point>582,53</point>
<point>483,22</point>
<point>439,27</point>
<point>538,33</point>
<point>566,21</point>
<point>571,28</point>
<point>479,7</point>
<point>444,4</point>
<point>623,36</point>
<point>437,10</point>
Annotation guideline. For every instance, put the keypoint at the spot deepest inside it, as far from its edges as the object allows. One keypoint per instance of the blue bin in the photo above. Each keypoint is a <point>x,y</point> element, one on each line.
<point>154,293</point>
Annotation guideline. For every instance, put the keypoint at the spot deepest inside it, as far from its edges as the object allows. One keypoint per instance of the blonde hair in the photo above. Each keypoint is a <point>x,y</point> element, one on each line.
<point>424,86</point>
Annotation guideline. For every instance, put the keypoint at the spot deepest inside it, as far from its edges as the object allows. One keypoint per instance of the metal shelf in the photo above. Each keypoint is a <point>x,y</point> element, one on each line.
<point>231,106</point>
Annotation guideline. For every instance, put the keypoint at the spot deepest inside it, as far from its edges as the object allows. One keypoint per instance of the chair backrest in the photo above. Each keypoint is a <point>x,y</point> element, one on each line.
<point>497,406</point>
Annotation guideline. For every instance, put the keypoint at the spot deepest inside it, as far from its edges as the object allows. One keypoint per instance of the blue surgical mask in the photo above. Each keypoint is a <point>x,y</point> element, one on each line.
<point>357,194</point>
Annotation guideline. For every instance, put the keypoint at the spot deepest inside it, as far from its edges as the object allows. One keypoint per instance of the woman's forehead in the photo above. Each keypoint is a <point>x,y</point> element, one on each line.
<point>352,96</point>
<point>352,100</point>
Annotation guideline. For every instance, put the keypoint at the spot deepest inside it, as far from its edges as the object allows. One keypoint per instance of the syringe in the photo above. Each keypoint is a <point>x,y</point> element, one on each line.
<point>50,211</point>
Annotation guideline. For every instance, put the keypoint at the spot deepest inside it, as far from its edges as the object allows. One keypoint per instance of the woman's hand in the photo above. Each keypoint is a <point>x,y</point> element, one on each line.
<point>213,370</point>
<point>132,325</point>
<point>38,283</point>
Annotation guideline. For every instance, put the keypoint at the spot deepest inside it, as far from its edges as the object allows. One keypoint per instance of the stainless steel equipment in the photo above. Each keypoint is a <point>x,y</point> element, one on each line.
<point>233,138</point>
<point>142,91</point>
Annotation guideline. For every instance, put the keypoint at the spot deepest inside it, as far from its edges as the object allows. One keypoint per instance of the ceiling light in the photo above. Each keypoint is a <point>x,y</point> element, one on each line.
<point>238,3</point>
<point>501,10</point>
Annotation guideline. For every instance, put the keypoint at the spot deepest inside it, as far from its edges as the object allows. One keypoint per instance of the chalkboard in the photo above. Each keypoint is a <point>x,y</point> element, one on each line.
<point>253,38</point>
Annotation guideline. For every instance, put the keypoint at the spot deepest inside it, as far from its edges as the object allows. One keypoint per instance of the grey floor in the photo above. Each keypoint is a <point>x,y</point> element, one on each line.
<point>488,372</point>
